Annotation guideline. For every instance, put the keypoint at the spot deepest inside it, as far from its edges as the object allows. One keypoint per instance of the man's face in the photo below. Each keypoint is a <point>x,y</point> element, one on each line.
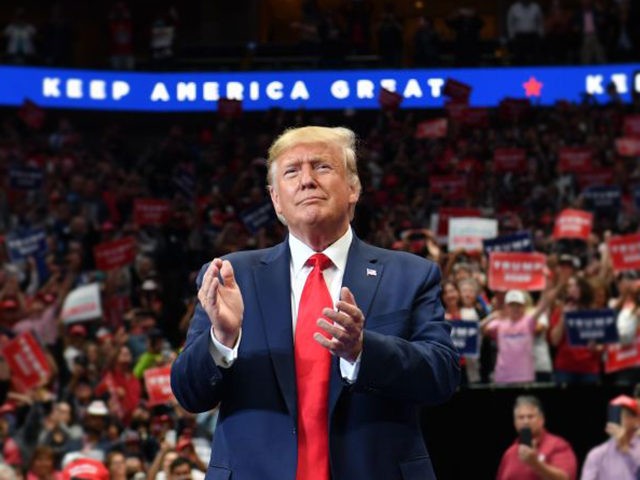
<point>181,472</point>
<point>311,190</point>
<point>528,416</point>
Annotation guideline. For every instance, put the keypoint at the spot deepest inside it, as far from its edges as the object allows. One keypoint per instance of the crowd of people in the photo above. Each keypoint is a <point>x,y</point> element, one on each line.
<point>94,401</point>
<point>526,32</point>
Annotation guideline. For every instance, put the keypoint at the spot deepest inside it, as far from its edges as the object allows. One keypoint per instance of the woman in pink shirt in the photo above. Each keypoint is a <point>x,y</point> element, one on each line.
<point>514,333</point>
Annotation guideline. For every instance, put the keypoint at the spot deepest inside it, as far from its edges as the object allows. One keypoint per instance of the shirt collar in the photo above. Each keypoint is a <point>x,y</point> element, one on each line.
<point>337,251</point>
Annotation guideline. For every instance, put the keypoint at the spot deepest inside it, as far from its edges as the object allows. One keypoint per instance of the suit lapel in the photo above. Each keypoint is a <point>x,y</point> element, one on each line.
<point>362,276</point>
<point>273,282</point>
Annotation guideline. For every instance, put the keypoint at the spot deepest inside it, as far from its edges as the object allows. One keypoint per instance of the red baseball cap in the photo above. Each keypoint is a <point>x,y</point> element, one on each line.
<point>627,402</point>
<point>85,468</point>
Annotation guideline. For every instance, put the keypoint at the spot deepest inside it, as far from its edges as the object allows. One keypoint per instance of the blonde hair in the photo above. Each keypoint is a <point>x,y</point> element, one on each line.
<point>341,137</point>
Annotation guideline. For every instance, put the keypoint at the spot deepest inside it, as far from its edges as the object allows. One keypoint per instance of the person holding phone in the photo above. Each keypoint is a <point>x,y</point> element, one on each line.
<point>619,456</point>
<point>536,454</point>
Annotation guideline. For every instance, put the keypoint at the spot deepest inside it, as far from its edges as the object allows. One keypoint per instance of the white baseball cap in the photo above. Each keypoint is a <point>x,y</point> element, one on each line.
<point>515,296</point>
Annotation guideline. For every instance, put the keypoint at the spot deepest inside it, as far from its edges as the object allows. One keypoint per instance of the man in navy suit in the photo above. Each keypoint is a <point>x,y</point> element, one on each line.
<point>390,348</point>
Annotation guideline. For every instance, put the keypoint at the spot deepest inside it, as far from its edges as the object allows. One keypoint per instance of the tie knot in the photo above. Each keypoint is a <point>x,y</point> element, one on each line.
<point>319,260</point>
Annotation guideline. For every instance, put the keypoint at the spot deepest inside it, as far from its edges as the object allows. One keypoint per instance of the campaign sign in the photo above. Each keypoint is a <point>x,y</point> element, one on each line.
<point>512,109</point>
<point>115,254</point>
<point>157,382</point>
<point>636,197</point>
<point>389,100</point>
<point>465,335</point>
<point>517,270</point>
<point>25,178</point>
<point>603,198</point>
<point>82,304</point>
<point>21,245</point>
<point>625,252</point>
<point>572,223</point>
<point>436,128</point>
<point>229,108</point>
<point>627,146</point>
<point>596,177</point>
<point>631,125</point>
<point>516,242</point>
<point>456,109</point>
<point>586,326</point>
<point>467,233</point>
<point>258,217</point>
<point>27,362</point>
<point>620,356</point>
<point>510,160</point>
<point>151,211</point>
<point>449,187</point>
<point>574,159</point>
<point>441,223</point>
<point>475,117</point>
<point>456,89</point>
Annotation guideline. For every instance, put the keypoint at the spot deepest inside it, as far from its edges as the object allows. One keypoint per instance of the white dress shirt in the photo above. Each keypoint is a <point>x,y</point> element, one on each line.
<point>333,275</point>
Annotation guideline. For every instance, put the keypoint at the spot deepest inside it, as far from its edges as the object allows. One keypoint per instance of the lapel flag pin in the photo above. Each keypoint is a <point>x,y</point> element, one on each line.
<point>371,272</point>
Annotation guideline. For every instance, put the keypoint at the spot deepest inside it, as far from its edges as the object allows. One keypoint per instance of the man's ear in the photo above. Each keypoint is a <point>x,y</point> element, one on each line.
<point>275,199</point>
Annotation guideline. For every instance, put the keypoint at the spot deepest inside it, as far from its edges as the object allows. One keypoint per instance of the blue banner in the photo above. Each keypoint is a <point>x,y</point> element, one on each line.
<point>21,245</point>
<point>603,198</point>
<point>25,178</point>
<point>258,217</point>
<point>466,337</point>
<point>292,90</point>
<point>586,326</point>
<point>516,242</point>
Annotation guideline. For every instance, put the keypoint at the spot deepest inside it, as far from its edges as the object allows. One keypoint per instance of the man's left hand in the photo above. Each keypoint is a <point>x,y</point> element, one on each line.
<point>346,329</point>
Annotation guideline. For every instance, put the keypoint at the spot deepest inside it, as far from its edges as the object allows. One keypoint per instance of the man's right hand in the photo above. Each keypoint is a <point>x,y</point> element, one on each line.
<point>222,300</point>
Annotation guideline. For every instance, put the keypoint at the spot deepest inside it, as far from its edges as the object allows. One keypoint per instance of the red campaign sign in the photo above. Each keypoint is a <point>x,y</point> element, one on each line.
<point>476,117</point>
<point>445,213</point>
<point>625,252</point>
<point>436,128</point>
<point>456,109</point>
<point>631,125</point>
<point>628,147</point>
<point>157,382</point>
<point>455,89</point>
<point>151,211</point>
<point>620,357</point>
<point>514,108</point>
<point>510,160</point>
<point>389,100</point>
<point>116,254</point>
<point>450,187</point>
<point>573,224</point>
<point>229,108</point>
<point>574,159</point>
<point>27,362</point>
<point>596,177</point>
<point>518,270</point>
<point>32,115</point>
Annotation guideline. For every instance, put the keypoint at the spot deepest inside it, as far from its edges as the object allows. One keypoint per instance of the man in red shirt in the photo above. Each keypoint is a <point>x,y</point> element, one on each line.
<point>542,455</point>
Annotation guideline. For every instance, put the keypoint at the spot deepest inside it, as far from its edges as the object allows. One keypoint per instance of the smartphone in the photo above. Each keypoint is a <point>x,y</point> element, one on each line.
<point>525,437</point>
<point>614,414</point>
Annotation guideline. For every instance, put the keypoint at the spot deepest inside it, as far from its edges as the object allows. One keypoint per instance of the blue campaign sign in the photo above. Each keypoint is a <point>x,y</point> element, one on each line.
<point>585,326</point>
<point>466,337</point>
<point>258,217</point>
<point>603,198</point>
<point>25,178</point>
<point>516,242</point>
<point>21,245</point>
<point>292,90</point>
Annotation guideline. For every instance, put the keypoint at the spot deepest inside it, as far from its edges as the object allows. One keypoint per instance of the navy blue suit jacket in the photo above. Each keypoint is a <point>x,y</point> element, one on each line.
<point>408,360</point>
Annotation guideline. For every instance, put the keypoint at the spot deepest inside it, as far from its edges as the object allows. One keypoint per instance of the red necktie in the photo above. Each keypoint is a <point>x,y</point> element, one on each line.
<point>312,376</point>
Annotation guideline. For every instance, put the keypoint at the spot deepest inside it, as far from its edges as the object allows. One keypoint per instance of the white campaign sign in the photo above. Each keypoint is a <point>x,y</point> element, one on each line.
<point>467,232</point>
<point>82,304</point>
